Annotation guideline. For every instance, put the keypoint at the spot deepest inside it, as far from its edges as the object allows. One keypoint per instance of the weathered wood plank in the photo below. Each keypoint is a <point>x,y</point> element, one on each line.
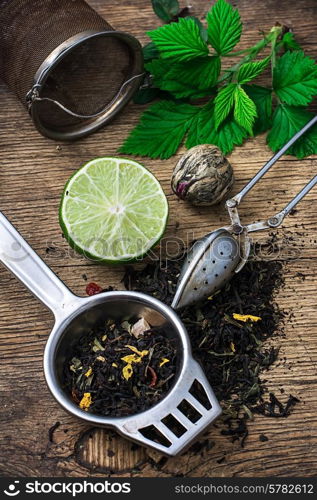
<point>32,175</point>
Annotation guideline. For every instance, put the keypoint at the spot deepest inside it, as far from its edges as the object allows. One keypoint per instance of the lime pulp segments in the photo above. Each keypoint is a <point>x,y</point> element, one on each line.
<point>113,210</point>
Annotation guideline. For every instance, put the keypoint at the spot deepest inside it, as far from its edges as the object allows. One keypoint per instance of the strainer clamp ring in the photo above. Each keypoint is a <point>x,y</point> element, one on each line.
<point>92,122</point>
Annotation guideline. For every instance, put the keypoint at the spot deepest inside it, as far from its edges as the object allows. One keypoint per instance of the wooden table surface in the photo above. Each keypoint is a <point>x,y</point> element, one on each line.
<point>32,175</point>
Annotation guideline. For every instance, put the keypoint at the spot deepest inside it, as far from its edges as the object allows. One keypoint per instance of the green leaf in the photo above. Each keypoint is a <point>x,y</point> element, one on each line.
<point>251,70</point>
<point>295,78</point>
<point>224,103</point>
<point>203,31</point>
<point>161,130</point>
<point>289,42</point>
<point>165,9</point>
<point>224,27</point>
<point>287,120</point>
<point>244,109</point>
<point>262,98</point>
<point>193,136</point>
<point>179,41</point>
<point>228,135</point>
<point>150,52</point>
<point>186,79</point>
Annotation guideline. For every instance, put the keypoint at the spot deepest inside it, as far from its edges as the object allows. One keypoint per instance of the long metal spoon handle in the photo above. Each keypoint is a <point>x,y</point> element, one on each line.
<point>273,160</point>
<point>17,255</point>
<point>277,219</point>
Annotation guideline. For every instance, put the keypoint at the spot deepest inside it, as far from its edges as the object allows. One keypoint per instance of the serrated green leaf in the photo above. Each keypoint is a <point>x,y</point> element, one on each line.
<point>228,135</point>
<point>295,78</point>
<point>203,31</point>
<point>289,42</point>
<point>224,102</point>
<point>224,27</point>
<point>193,136</point>
<point>179,41</point>
<point>161,130</point>
<point>160,70</point>
<point>184,79</point>
<point>287,120</point>
<point>262,98</point>
<point>150,52</point>
<point>251,70</point>
<point>244,109</point>
<point>165,9</point>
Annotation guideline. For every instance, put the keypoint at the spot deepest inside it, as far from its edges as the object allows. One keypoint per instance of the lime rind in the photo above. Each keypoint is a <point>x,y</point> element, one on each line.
<point>113,210</point>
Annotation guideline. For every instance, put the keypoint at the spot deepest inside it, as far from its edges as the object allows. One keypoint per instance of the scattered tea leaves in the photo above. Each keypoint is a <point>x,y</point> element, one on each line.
<point>229,336</point>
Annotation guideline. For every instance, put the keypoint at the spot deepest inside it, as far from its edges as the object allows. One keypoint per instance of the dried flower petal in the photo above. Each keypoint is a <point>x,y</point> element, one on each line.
<point>163,362</point>
<point>127,371</point>
<point>140,327</point>
<point>85,401</point>
<point>88,372</point>
<point>131,358</point>
<point>232,347</point>
<point>246,317</point>
<point>140,353</point>
<point>153,375</point>
<point>101,358</point>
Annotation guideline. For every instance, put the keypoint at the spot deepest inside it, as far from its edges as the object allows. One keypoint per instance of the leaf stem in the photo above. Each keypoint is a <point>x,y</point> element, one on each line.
<point>237,53</point>
<point>271,37</point>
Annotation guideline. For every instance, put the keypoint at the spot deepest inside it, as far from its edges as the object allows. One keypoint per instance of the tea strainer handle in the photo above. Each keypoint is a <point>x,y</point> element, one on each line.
<point>17,256</point>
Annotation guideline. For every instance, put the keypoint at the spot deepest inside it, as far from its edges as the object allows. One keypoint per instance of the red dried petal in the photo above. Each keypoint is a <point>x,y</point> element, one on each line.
<point>154,377</point>
<point>93,289</point>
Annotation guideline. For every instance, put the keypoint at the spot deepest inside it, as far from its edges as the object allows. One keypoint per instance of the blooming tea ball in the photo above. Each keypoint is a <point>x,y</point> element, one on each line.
<point>203,176</point>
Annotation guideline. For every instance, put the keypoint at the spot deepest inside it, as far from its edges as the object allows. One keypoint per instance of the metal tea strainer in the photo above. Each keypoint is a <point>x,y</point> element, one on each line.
<point>67,65</point>
<point>186,410</point>
<point>214,259</point>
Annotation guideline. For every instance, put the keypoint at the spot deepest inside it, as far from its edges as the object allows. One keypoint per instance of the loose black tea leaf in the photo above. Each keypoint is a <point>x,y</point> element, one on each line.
<point>228,335</point>
<point>113,372</point>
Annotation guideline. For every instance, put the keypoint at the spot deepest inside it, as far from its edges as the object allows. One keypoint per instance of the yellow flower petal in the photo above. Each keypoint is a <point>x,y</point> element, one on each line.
<point>127,371</point>
<point>86,401</point>
<point>131,358</point>
<point>88,372</point>
<point>114,365</point>
<point>163,362</point>
<point>140,353</point>
<point>232,347</point>
<point>246,317</point>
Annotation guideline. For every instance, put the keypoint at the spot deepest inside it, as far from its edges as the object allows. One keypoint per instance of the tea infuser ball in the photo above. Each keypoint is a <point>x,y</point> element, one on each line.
<point>71,70</point>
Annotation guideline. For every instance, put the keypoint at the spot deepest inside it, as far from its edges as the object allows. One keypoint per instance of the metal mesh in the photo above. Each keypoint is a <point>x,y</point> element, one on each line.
<point>88,78</point>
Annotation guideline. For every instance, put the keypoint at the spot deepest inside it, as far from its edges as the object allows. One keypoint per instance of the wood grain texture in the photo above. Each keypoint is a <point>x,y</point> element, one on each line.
<point>32,175</point>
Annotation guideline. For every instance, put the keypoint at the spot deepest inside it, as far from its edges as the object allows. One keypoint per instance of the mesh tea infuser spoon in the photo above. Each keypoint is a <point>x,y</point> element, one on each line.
<point>185,411</point>
<point>213,260</point>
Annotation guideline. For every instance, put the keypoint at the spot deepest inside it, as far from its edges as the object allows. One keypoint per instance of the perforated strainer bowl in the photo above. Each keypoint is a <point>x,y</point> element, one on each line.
<point>186,410</point>
<point>66,64</point>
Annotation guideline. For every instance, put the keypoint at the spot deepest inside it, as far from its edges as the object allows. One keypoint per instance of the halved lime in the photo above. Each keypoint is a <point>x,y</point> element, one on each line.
<point>113,210</point>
